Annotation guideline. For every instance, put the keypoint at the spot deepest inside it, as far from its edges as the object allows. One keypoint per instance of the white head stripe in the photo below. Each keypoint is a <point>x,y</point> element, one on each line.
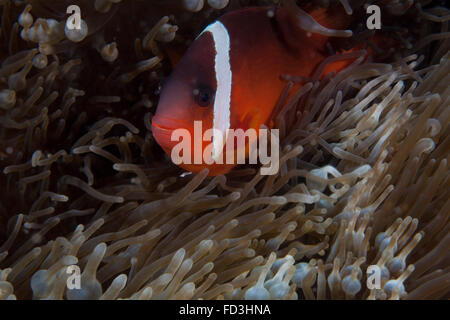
<point>221,120</point>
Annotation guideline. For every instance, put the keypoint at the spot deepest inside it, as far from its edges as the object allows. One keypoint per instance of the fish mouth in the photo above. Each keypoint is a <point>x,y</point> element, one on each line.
<point>162,135</point>
<point>161,129</point>
<point>169,124</point>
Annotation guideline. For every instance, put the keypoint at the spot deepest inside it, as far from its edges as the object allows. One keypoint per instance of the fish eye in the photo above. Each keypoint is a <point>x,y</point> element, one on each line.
<point>203,96</point>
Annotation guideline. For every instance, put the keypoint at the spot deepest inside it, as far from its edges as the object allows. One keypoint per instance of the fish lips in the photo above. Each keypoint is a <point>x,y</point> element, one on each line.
<point>163,136</point>
<point>163,129</point>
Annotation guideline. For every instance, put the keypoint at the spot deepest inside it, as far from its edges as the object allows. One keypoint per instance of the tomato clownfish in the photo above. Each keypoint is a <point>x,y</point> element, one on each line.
<point>230,77</point>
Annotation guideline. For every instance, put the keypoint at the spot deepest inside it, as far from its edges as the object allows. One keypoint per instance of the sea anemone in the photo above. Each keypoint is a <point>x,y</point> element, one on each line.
<point>363,182</point>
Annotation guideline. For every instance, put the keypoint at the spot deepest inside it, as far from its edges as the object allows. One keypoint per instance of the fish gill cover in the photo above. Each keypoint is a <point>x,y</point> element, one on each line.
<point>363,181</point>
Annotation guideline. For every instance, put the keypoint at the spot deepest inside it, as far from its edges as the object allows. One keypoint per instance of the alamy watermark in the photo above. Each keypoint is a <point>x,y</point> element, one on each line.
<point>74,280</point>
<point>374,21</point>
<point>373,277</point>
<point>235,153</point>
<point>373,281</point>
<point>74,20</point>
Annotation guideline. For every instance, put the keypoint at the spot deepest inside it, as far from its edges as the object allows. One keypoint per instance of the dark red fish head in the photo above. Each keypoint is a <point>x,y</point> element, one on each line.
<point>187,99</point>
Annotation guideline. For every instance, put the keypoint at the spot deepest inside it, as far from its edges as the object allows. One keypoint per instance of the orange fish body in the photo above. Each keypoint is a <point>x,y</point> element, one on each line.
<point>233,71</point>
